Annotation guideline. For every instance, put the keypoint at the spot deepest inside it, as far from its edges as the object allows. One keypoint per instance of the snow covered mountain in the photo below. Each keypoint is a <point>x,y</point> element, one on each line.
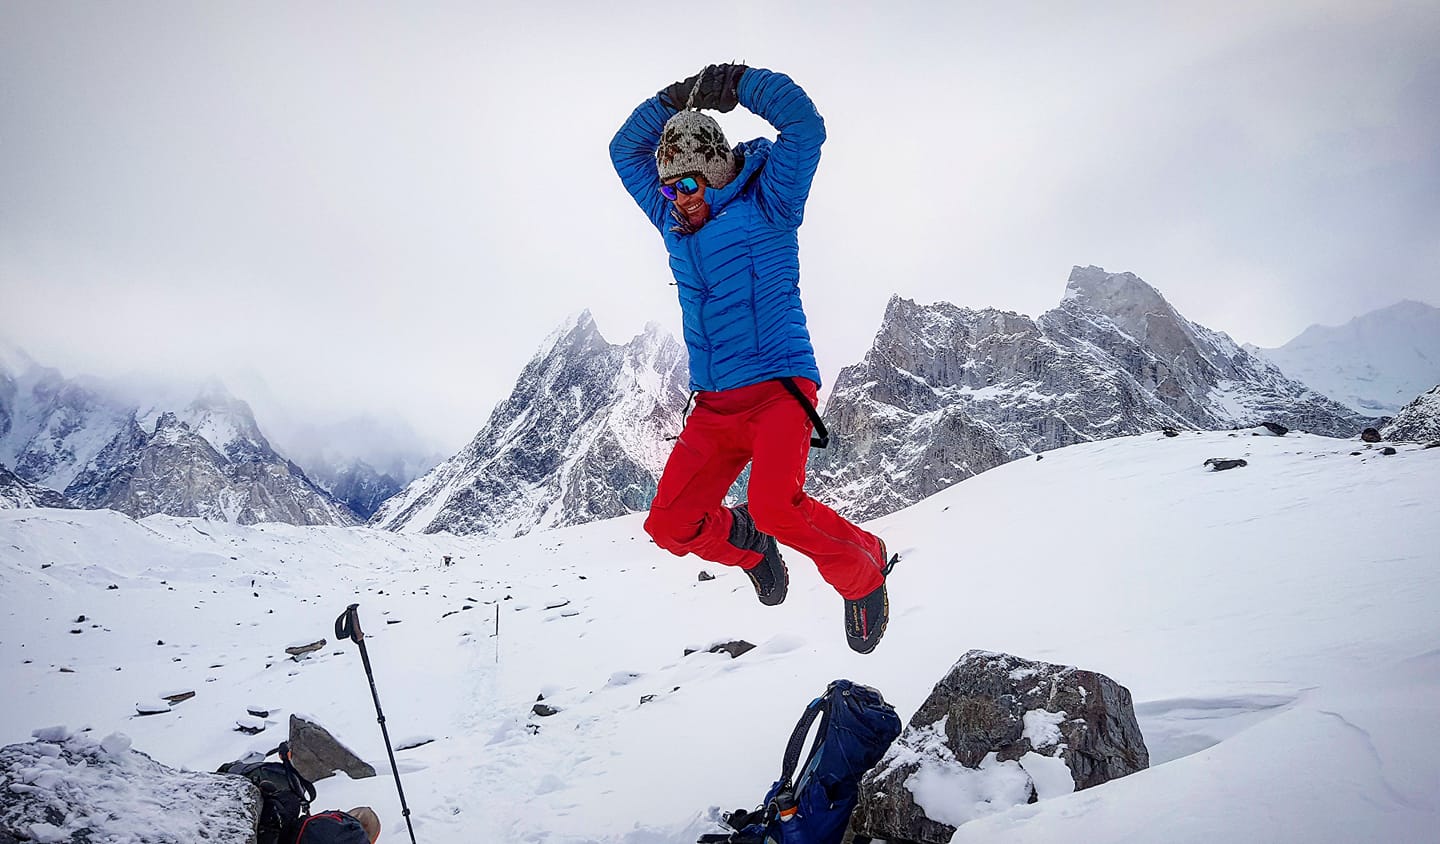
<point>16,492</point>
<point>1275,624</point>
<point>52,427</point>
<point>580,438</point>
<point>1374,363</point>
<point>946,392</point>
<point>1418,421</point>
<point>205,457</point>
<point>177,471</point>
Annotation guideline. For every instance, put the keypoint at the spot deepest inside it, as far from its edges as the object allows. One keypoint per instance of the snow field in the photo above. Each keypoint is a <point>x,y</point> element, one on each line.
<point>1275,624</point>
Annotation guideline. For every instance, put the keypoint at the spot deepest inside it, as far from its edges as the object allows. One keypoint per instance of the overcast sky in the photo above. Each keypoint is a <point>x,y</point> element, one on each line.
<point>388,207</point>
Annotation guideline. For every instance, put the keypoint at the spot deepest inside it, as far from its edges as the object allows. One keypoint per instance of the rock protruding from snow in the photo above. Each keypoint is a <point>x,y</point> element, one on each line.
<point>966,750</point>
<point>317,754</point>
<point>947,392</point>
<point>74,789</point>
<point>581,438</point>
<point>1418,421</point>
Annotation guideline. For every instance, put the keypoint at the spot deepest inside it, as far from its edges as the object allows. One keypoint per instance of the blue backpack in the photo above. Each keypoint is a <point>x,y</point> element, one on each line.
<point>856,728</point>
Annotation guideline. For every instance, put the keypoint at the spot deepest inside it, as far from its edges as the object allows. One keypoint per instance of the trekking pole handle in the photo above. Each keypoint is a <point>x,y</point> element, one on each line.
<point>347,626</point>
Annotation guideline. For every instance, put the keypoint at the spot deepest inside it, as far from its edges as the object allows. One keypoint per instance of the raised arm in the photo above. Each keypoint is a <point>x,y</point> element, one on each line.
<point>784,183</point>
<point>632,151</point>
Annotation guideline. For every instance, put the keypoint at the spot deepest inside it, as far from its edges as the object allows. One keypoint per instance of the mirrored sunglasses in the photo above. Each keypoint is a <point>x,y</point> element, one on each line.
<point>687,186</point>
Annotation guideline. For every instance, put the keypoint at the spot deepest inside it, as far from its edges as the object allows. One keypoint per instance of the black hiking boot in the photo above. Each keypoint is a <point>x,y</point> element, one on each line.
<point>769,576</point>
<point>867,617</point>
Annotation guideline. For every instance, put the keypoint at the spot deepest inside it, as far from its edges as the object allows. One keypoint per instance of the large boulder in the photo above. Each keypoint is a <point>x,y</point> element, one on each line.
<point>990,731</point>
<point>317,754</point>
<point>73,789</point>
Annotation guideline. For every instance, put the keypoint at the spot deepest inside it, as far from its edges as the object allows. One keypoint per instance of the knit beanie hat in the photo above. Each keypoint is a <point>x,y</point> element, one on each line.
<point>693,143</point>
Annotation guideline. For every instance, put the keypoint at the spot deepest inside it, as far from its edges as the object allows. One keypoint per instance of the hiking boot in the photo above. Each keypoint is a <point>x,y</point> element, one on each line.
<point>866,618</point>
<point>769,576</point>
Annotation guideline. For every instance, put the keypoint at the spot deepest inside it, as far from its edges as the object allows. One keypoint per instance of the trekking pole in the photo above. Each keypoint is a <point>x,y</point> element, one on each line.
<point>347,626</point>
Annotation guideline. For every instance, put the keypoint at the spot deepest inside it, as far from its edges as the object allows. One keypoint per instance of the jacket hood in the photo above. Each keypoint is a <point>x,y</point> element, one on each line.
<point>755,154</point>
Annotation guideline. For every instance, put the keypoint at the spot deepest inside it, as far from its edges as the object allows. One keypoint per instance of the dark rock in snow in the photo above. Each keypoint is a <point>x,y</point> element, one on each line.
<point>544,710</point>
<point>78,790</point>
<point>317,754</point>
<point>1370,435</point>
<point>994,709</point>
<point>1387,450</point>
<point>735,648</point>
<point>1170,432</point>
<point>1220,464</point>
<point>705,575</point>
<point>1275,428</point>
<point>300,650</point>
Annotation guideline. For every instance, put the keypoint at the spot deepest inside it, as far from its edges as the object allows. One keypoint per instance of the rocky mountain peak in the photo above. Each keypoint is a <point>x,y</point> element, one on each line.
<point>1134,306</point>
<point>946,392</point>
<point>581,437</point>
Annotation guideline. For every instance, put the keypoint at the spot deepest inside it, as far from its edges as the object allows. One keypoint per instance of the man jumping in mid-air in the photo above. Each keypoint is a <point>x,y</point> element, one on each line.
<point>729,219</point>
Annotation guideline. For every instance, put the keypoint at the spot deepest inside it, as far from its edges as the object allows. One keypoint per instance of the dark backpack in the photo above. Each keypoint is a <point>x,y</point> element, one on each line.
<point>332,828</point>
<point>856,728</point>
<point>285,796</point>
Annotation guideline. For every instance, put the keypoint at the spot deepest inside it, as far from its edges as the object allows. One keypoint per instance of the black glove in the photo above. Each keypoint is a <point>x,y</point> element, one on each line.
<point>716,87</point>
<point>676,95</point>
<point>719,87</point>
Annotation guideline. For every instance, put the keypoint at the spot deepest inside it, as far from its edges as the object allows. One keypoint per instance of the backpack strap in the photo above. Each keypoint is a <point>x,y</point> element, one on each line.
<point>302,786</point>
<point>818,707</point>
<point>822,434</point>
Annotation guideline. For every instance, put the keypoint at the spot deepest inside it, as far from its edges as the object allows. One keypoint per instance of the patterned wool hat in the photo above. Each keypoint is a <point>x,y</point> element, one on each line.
<point>693,143</point>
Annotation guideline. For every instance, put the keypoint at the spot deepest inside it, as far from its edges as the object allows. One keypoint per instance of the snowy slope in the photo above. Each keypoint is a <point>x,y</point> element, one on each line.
<point>1374,363</point>
<point>1275,623</point>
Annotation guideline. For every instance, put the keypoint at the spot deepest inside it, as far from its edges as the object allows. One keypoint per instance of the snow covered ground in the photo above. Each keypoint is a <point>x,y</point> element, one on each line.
<point>1277,625</point>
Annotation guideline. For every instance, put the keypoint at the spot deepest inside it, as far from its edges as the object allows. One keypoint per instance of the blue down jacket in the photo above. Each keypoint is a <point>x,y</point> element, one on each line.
<point>739,275</point>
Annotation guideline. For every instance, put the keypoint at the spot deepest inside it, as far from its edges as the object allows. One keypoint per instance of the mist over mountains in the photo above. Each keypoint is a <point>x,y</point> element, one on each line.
<point>943,394</point>
<point>1375,363</point>
<point>143,446</point>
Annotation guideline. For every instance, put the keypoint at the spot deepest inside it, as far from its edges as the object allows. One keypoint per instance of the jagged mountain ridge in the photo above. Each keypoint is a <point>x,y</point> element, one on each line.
<point>1418,421</point>
<point>948,392</point>
<point>1375,363</point>
<point>16,492</point>
<point>207,457</point>
<point>176,471</point>
<point>581,437</point>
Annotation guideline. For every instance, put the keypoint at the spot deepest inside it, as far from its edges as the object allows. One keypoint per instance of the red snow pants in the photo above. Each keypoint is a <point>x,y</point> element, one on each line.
<point>763,425</point>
